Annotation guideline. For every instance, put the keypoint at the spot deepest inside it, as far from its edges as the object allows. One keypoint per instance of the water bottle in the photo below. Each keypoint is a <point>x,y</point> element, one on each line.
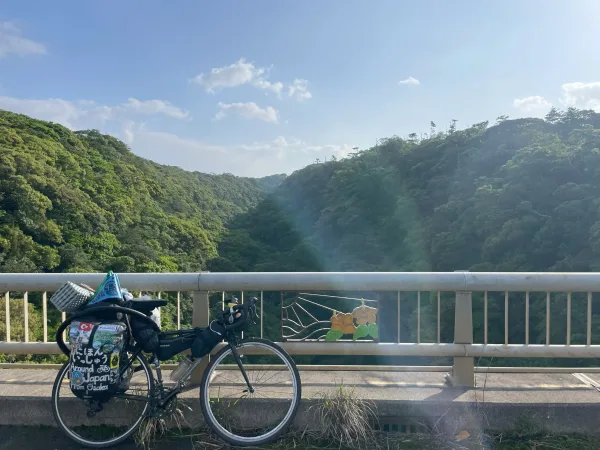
<point>183,366</point>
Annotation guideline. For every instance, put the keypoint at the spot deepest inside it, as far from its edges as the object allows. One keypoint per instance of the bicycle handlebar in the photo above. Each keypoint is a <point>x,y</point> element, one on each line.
<point>247,311</point>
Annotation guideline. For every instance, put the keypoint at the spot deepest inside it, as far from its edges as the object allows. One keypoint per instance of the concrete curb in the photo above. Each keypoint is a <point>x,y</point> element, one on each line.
<point>445,417</point>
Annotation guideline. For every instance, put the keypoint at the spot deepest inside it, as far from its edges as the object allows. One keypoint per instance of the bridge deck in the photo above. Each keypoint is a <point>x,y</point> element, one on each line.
<point>557,402</point>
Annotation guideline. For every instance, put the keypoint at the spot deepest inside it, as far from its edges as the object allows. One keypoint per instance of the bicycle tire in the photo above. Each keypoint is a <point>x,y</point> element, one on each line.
<point>259,440</point>
<point>112,442</point>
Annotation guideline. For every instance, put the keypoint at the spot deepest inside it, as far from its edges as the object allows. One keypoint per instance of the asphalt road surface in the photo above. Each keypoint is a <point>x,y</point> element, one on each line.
<point>46,438</point>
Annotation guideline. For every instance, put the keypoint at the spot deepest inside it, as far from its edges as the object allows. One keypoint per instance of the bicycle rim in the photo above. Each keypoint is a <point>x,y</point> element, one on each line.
<point>118,419</point>
<point>251,418</point>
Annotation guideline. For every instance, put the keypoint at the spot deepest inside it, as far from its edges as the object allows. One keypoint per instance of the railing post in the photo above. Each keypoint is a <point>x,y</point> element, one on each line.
<point>463,370</point>
<point>200,318</point>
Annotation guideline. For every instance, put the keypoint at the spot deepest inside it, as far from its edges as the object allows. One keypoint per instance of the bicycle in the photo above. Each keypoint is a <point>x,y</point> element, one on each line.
<point>160,401</point>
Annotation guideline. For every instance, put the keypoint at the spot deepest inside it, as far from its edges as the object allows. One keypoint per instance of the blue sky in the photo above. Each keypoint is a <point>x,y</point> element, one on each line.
<point>261,87</point>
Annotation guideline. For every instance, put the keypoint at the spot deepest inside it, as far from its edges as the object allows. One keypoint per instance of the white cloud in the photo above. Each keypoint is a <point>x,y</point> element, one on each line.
<point>243,72</point>
<point>533,106</point>
<point>581,95</point>
<point>128,132</point>
<point>285,147</point>
<point>577,94</point>
<point>248,110</point>
<point>70,114</point>
<point>299,90</point>
<point>154,107</point>
<point>276,87</point>
<point>257,159</point>
<point>83,114</point>
<point>236,74</point>
<point>11,42</point>
<point>280,142</point>
<point>410,81</point>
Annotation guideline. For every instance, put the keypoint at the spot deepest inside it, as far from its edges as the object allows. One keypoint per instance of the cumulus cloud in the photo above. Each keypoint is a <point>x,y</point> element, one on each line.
<point>266,85</point>
<point>70,114</point>
<point>236,74</point>
<point>82,114</point>
<point>534,106</point>
<point>410,81</point>
<point>299,90</point>
<point>581,95</point>
<point>149,107</point>
<point>249,110</point>
<point>243,72</point>
<point>11,42</point>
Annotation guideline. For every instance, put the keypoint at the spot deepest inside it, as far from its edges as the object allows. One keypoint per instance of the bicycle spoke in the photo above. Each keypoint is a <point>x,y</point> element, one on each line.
<point>96,424</point>
<point>227,399</point>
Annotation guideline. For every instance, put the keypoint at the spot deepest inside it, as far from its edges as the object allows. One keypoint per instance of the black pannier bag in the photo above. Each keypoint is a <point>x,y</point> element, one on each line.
<point>207,339</point>
<point>95,356</point>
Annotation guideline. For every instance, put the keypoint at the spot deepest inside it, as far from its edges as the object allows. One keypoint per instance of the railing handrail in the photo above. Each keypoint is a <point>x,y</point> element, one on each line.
<point>318,281</point>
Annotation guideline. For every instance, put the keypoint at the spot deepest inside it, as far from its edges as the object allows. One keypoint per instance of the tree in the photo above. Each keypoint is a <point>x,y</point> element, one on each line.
<point>553,116</point>
<point>452,126</point>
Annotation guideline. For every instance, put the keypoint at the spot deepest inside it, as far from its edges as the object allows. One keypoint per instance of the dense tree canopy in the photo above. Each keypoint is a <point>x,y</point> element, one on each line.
<point>83,202</point>
<point>522,195</point>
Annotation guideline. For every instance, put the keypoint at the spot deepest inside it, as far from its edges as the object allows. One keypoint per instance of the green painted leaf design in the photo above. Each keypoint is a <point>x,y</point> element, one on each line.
<point>373,330</point>
<point>361,332</point>
<point>333,335</point>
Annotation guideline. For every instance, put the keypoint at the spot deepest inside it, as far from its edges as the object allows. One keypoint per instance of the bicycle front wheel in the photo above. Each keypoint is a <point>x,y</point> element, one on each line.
<point>250,417</point>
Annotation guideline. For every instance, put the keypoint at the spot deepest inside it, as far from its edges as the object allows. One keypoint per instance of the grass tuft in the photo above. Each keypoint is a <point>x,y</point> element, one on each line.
<point>345,419</point>
<point>154,428</point>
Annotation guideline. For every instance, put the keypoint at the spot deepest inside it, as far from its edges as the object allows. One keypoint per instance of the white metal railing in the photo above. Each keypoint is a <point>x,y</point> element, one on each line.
<point>463,284</point>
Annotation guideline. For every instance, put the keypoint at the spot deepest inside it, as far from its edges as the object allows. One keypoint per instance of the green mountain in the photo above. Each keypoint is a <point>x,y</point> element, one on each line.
<point>81,201</point>
<point>522,195</point>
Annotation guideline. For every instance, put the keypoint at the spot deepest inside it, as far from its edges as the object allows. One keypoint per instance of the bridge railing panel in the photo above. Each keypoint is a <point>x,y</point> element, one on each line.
<point>454,314</point>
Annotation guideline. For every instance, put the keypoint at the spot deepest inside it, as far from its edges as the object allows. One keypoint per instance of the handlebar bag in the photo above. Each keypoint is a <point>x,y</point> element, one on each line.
<point>95,356</point>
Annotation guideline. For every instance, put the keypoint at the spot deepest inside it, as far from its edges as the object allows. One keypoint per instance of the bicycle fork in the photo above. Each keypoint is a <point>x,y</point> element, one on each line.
<point>238,360</point>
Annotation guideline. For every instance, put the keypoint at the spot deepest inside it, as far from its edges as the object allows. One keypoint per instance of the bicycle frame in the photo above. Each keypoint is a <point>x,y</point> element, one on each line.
<point>181,384</point>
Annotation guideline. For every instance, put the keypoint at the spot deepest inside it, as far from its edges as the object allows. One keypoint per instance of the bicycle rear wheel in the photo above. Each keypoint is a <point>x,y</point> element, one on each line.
<point>112,422</point>
<point>244,418</point>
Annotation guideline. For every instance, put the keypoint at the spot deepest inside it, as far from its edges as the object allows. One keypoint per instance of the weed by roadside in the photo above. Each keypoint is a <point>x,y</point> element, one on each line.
<point>345,419</point>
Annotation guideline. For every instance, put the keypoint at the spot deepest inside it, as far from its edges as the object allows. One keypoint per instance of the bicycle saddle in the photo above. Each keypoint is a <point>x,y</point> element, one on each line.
<point>145,305</point>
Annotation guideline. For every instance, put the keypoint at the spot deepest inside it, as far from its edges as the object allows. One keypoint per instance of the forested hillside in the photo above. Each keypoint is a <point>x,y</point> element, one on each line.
<point>81,201</point>
<point>522,195</point>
